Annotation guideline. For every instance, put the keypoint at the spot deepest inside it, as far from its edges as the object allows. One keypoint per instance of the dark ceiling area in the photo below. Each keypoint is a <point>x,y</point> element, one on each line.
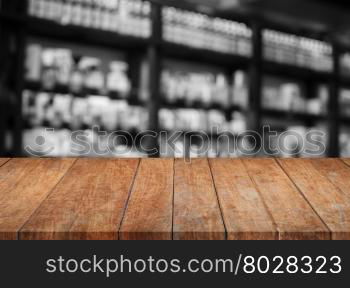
<point>323,17</point>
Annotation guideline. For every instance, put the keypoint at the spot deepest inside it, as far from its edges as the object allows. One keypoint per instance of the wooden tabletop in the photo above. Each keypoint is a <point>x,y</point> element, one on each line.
<point>174,199</point>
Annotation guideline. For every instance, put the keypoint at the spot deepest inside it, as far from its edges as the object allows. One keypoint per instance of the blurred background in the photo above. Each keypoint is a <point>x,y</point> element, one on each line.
<point>177,66</point>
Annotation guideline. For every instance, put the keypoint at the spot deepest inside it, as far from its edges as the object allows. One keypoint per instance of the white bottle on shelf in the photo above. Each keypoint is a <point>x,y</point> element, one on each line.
<point>96,15</point>
<point>33,7</point>
<point>86,13</point>
<point>67,9</point>
<point>33,62</point>
<point>77,13</point>
<point>117,80</point>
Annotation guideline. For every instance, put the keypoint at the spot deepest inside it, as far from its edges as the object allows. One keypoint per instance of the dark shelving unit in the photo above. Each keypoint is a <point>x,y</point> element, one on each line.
<point>192,54</point>
<point>83,35</point>
<point>294,116</point>
<point>182,105</point>
<point>156,50</point>
<point>35,86</point>
<point>12,39</point>
<point>295,72</point>
<point>345,120</point>
<point>344,82</point>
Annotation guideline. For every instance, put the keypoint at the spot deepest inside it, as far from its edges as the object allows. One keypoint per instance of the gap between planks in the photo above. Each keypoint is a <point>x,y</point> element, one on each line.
<point>4,161</point>
<point>25,184</point>
<point>86,205</point>
<point>325,184</point>
<point>47,196</point>
<point>149,214</point>
<point>293,216</point>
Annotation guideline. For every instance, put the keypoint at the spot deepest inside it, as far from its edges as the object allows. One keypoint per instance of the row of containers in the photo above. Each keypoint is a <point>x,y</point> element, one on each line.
<point>74,88</point>
<point>132,17</point>
<point>71,87</point>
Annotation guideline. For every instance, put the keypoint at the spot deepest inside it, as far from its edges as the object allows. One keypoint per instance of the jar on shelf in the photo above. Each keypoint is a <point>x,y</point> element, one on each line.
<point>118,80</point>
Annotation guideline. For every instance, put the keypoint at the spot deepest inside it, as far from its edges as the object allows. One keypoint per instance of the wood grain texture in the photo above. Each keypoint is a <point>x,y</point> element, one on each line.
<point>174,199</point>
<point>3,161</point>
<point>197,214</point>
<point>149,212</point>
<point>294,217</point>
<point>326,185</point>
<point>87,205</point>
<point>244,212</point>
<point>346,161</point>
<point>24,184</point>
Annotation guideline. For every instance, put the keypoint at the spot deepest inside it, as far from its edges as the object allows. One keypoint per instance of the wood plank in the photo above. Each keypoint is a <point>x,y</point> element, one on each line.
<point>3,161</point>
<point>294,217</point>
<point>197,214</point>
<point>87,205</point>
<point>24,185</point>
<point>149,212</point>
<point>245,214</point>
<point>326,185</point>
<point>346,161</point>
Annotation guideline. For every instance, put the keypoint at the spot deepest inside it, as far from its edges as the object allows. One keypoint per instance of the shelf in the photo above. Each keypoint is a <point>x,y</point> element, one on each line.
<point>58,89</point>
<point>203,56</point>
<point>345,120</point>
<point>84,35</point>
<point>200,106</point>
<point>287,70</point>
<point>345,83</point>
<point>64,89</point>
<point>134,101</point>
<point>291,115</point>
<point>130,135</point>
<point>190,133</point>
